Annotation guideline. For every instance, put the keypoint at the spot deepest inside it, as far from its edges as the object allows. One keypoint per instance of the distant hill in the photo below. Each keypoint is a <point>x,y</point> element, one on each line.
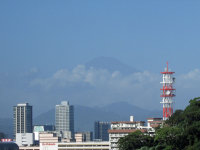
<point>86,116</point>
<point>126,109</point>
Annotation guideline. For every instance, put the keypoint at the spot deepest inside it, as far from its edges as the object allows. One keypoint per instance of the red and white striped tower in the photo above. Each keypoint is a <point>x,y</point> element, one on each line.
<point>167,93</point>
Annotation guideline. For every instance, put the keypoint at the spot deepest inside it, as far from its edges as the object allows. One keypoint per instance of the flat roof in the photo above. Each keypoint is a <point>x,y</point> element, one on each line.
<point>127,122</point>
<point>126,130</point>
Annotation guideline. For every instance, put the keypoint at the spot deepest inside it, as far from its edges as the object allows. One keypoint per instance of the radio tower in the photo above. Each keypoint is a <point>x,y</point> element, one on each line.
<point>167,93</point>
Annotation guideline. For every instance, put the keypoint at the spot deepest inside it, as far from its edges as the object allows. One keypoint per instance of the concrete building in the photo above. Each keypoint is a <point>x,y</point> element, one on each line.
<point>101,130</point>
<point>24,139</point>
<point>70,146</point>
<point>79,137</point>
<point>84,146</point>
<point>88,136</point>
<point>29,148</point>
<point>152,124</point>
<point>83,136</point>
<point>122,128</point>
<point>22,124</point>
<point>39,129</point>
<point>48,137</point>
<point>64,118</point>
<point>22,118</point>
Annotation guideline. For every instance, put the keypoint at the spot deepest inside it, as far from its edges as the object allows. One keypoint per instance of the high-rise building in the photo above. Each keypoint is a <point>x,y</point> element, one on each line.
<point>101,130</point>
<point>65,119</point>
<point>22,118</point>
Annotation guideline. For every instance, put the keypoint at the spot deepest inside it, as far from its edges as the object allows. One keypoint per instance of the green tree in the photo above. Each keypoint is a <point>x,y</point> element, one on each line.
<point>134,141</point>
<point>180,132</point>
<point>170,137</point>
<point>2,135</point>
<point>176,118</point>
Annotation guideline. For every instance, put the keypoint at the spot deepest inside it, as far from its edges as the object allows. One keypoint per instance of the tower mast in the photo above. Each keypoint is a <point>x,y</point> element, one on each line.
<point>167,93</point>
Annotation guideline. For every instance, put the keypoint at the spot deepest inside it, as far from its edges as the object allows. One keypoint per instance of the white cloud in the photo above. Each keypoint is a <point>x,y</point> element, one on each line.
<point>102,86</point>
<point>190,80</point>
<point>99,86</point>
<point>192,75</point>
<point>95,77</point>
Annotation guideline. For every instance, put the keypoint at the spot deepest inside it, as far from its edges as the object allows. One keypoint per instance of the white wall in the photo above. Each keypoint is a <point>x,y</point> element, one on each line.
<point>23,139</point>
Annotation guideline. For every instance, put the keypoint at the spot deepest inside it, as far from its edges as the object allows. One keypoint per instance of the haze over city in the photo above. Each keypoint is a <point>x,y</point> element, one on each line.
<point>95,53</point>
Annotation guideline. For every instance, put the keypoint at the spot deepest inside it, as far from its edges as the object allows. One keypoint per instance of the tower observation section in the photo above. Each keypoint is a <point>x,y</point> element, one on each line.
<point>168,92</point>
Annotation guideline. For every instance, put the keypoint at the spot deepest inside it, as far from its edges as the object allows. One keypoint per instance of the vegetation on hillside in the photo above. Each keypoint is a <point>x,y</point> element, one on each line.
<point>180,132</point>
<point>2,135</point>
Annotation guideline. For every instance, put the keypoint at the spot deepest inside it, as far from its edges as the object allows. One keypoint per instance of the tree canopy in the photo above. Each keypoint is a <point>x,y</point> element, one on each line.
<point>180,132</point>
<point>2,135</point>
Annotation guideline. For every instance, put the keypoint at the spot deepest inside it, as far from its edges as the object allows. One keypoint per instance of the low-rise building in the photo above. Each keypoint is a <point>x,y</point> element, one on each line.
<point>122,128</point>
<point>48,137</point>
<point>29,148</point>
<point>152,124</point>
<point>70,146</point>
<point>24,139</point>
<point>84,146</point>
<point>41,128</point>
<point>83,136</point>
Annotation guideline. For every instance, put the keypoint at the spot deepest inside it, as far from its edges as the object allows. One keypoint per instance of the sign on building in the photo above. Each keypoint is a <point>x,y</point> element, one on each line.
<point>48,146</point>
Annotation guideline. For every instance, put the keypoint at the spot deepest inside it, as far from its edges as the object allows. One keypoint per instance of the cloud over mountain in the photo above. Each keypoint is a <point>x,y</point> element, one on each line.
<point>96,78</point>
<point>115,86</point>
<point>93,86</point>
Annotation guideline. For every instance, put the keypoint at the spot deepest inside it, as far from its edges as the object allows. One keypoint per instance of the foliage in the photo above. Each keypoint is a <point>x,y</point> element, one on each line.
<point>180,132</point>
<point>2,135</point>
<point>134,141</point>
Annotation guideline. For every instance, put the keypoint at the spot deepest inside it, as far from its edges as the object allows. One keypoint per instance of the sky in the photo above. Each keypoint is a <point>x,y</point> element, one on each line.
<point>44,46</point>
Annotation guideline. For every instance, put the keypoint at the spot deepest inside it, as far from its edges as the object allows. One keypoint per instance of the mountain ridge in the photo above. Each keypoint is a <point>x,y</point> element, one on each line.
<point>85,116</point>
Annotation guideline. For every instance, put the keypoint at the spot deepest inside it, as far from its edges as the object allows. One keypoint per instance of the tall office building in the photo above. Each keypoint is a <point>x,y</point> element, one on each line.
<point>65,119</point>
<point>101,130</point>
<point>22,118</point>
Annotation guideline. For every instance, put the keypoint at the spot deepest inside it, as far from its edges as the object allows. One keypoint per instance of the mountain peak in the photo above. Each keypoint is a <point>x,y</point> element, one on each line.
<point>110,64</point>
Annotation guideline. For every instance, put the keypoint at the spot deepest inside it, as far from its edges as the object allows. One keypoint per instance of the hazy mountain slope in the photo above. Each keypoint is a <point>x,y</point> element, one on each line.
<point>110,64</point>
<point>126,109</point>
<point>86,116</point>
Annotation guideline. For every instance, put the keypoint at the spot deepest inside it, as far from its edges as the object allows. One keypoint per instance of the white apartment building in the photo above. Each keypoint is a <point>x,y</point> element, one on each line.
<point>122,128</point>
<point>24,139</point>
<point>153,123</point>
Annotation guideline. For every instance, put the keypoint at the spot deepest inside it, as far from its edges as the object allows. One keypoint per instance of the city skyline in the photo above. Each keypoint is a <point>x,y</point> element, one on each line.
<point>109,75</point>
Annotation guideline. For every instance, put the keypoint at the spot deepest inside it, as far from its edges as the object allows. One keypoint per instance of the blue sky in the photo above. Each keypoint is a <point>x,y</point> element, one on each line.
<point>45,37</point>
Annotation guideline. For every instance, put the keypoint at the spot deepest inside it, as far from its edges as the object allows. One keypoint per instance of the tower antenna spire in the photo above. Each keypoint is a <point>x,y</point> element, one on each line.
<point>167,93</point>
<point>167,66</point>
